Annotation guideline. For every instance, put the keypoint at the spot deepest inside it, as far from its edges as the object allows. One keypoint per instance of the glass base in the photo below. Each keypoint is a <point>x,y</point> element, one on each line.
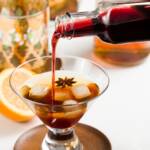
<point>35,139</point>
<point>59,142</point>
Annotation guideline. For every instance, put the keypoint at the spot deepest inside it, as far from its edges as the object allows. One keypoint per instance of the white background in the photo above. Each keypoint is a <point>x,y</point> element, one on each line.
<point>122,113</point>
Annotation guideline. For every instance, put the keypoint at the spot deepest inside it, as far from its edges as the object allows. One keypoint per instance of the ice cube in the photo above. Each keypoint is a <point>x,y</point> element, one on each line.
<point>70,105</point>
<point>25,90</point>
<point>80,91</point>
<point>74,114</point>
<point>94,89</point>
<point>38,92</point>
<point>70,102</point>
<point>62,94</point>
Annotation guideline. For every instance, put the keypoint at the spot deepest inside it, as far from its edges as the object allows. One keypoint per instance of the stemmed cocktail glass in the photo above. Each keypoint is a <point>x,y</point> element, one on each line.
<point>60,119</point>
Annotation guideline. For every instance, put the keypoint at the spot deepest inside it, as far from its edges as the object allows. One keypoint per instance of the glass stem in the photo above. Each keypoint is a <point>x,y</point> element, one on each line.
<point>61,134</point>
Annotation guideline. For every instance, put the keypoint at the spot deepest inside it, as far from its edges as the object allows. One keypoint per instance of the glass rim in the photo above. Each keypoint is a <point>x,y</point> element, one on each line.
<point>58,105</point>
<point>45,7</point>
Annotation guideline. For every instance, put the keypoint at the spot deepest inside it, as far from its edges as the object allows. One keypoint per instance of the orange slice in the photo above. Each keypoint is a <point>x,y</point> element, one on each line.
<point>11,105</point>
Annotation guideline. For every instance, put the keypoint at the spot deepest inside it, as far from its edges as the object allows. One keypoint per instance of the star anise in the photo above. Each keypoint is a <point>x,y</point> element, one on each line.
<point>65,82</point>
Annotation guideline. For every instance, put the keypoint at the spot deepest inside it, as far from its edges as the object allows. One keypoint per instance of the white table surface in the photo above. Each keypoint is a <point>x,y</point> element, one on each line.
<point>122,114</point>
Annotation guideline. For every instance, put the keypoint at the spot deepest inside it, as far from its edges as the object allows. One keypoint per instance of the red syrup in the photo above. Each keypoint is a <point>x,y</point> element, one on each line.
<point>54,41</point>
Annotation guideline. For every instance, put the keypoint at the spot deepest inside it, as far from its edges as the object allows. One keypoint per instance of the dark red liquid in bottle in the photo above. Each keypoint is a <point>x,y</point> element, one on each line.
<point>128,24</point>
<point>124,23</point>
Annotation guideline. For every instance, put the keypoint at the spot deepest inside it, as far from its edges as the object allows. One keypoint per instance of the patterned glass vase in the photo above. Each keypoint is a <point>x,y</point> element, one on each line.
<point>23,31</point>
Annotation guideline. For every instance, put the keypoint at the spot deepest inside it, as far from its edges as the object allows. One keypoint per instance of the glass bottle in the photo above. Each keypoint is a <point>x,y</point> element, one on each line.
<point>115,23</point>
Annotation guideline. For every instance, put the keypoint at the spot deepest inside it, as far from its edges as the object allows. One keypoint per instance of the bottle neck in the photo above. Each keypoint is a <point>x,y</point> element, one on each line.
<point>79,24</point>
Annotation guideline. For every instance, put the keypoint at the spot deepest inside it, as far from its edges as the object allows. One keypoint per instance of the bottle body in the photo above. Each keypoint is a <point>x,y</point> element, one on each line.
<point>114,24</point>
<point>126,23</point>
